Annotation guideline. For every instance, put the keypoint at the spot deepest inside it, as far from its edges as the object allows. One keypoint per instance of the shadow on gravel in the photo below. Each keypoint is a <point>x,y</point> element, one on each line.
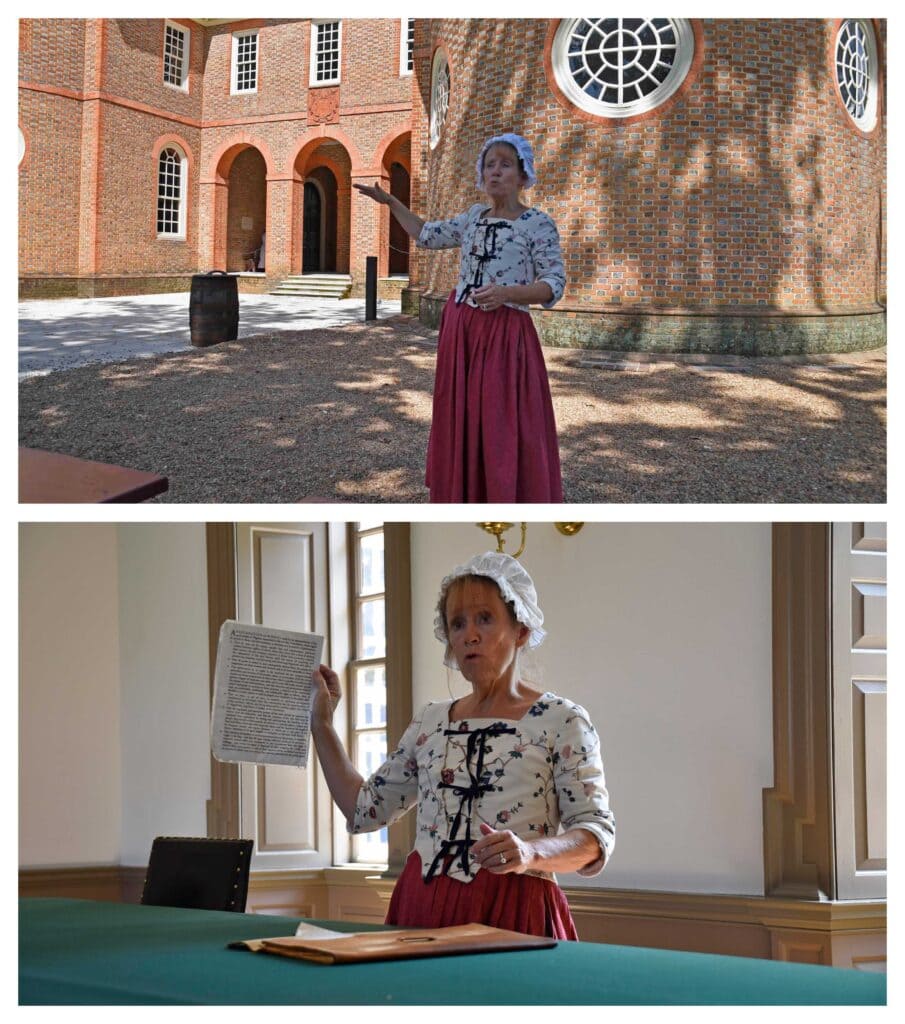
<point>343,415</point>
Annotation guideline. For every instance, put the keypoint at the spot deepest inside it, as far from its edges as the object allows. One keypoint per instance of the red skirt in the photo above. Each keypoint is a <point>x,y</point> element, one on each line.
<point>519,903</point>
<point>493,433</point>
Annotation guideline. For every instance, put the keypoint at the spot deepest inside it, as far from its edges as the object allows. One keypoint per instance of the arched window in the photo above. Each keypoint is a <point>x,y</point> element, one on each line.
<point>856,71</point>
<point>621,67</point>
<point>440,86</point>
<point>171,193</point>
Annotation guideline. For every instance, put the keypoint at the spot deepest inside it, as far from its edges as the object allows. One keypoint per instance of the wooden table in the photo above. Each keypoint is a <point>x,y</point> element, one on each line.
<point>47,477</point>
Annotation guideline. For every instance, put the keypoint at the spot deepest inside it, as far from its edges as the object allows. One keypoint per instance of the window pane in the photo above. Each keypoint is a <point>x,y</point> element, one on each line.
<point>368,524</point>
<point>372,847</point>
<point>372,752</point>
<point>373,629</point>
<point>371,696</point>
<point>370,560</point>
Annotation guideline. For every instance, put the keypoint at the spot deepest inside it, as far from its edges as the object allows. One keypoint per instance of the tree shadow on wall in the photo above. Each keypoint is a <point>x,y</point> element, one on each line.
<point>774,236</point>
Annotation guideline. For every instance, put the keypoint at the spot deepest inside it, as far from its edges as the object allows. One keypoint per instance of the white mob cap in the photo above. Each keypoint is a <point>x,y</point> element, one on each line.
<point>516,588</point>
<point>522,147</point>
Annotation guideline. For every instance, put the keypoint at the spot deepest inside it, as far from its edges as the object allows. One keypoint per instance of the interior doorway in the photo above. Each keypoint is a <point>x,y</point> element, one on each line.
<point>313,230</point>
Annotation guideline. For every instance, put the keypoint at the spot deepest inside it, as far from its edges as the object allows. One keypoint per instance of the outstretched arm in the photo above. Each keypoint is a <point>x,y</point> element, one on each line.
<point>343,780</point>
<point>411,224</point>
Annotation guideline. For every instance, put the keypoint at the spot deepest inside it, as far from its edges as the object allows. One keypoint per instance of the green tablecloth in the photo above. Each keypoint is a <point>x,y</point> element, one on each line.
<point>86,952</point>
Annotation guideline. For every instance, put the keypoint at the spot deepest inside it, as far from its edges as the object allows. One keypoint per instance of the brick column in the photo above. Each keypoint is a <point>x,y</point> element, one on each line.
<point>89,157</point>
<point>278,256</point>
<point>370,230</point>
<point>347,237</point>
<point>213,197</point>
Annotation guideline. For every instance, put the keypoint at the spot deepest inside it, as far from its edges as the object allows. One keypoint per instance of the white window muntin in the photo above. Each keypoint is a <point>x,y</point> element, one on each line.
<point>440,89</point>
<point>856,64</point>
<point>245,62</point>
<point>176,41</point>
<point>621,67</point>
<point>367,705</point>
<point>171,193</point>
<point>406,46</point>
<point>326,52</point>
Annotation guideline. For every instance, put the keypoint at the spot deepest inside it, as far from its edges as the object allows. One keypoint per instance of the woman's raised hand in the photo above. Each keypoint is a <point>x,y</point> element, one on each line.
<point>374,192</point>
<point>326,695</point>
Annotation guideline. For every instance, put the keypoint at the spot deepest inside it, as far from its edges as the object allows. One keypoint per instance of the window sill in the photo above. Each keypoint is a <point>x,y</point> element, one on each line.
<point>353,874</point>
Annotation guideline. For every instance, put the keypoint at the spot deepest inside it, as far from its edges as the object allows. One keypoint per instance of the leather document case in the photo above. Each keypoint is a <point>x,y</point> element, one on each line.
<point>357,947</point>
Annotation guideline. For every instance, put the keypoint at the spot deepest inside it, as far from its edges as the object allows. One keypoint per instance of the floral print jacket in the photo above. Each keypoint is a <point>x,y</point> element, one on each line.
<point>499,251</point>
<point>531,776</point>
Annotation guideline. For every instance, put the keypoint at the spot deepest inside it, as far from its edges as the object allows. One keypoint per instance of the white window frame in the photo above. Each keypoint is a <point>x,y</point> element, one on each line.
<point>867,121</point>
<point>357,731</point>
<point>183,85</point>
<point>180,234</point>
<point>684,56</point>
<point>313,81</point>
<point>234,73</point>
<point>438,117</point>
<point>406,25</point>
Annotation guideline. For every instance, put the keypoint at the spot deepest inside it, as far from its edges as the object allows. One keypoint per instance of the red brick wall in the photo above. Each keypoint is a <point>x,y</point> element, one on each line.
<point>52,55</point>
<point>52,51</point>
<point>133,65</point>
<point>94,110</point>
<point>127,214</point>
<point>49,184</point>
<point>752,189</point>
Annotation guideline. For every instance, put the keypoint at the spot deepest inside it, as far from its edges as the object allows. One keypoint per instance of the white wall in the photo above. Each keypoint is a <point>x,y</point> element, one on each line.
<point>69,732</point>
<point>164,680</point>
<point>663,632</point>
<point>113,727</point>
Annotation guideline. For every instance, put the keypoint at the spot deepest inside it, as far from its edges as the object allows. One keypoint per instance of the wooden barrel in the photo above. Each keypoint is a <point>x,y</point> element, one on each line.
<point>214,308</point>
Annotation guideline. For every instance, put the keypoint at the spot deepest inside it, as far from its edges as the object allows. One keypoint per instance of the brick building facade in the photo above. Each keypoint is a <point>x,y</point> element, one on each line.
<point>98,119</point>
<point>745,210</point>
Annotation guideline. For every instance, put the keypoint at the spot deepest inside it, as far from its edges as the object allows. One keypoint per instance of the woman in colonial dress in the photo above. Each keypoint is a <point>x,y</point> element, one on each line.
<point>507,781</point>
<point>493,431</point>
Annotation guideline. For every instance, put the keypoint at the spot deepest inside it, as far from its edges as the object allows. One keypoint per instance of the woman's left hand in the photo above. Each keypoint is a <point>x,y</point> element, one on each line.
<point>490,296</point>
<point>501,853</point>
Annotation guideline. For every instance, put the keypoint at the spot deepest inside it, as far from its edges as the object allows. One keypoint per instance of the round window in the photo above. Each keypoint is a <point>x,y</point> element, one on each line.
<point>856,71</point>
<point>440,84</point>
<point>621,67</point>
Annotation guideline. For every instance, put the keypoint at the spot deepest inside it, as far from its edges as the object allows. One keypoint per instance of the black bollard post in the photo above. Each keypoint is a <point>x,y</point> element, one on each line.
<point>370,288</point>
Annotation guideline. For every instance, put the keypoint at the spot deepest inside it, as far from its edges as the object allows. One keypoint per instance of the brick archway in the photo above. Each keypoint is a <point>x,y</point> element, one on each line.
<point>329,162</point>
<point>239,213</point>
<point>394,157</point>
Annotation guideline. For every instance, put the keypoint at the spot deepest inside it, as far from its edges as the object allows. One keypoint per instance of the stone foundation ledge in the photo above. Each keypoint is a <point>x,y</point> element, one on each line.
<point>389,289</point>
<point>64,287</point>
<point>731,331</point>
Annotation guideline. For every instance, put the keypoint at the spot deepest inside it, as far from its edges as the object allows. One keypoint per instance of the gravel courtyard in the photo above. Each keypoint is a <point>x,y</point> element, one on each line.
<point>342,415</point>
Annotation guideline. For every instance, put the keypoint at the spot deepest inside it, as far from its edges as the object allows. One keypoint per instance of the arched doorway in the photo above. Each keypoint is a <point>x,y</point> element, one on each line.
<point>321,206</point>
<point>319,222</point>
<point>246,208</point>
